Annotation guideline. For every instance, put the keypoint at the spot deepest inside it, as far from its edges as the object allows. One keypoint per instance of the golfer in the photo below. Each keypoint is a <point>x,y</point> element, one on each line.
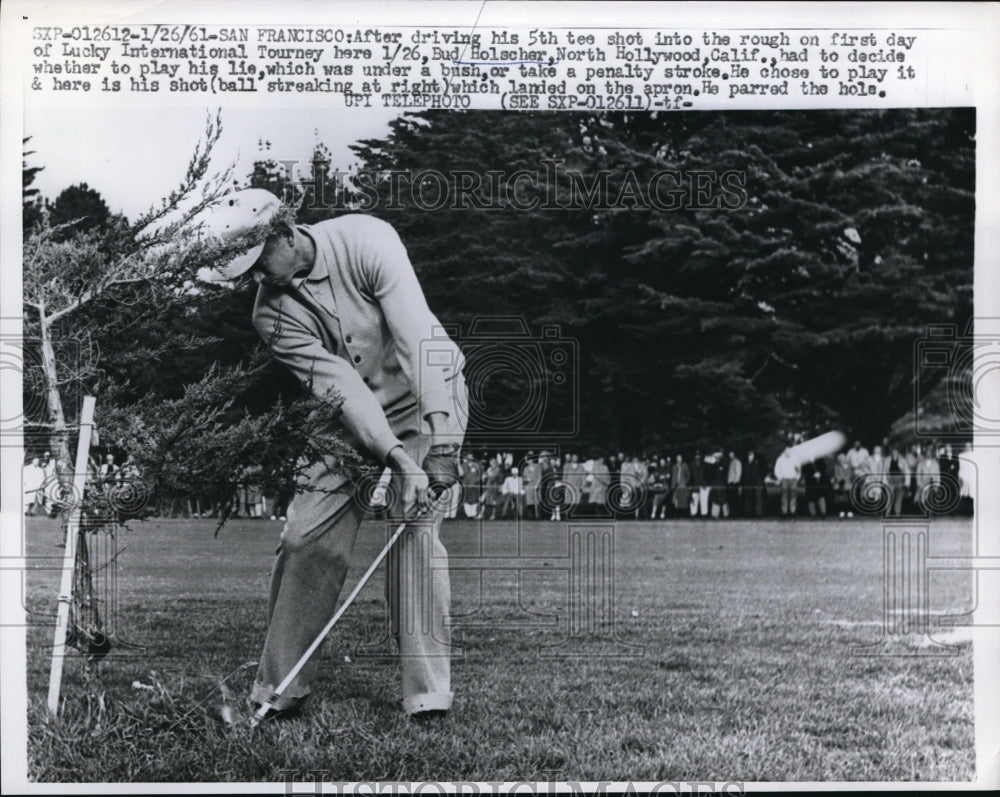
<point>340,305</point>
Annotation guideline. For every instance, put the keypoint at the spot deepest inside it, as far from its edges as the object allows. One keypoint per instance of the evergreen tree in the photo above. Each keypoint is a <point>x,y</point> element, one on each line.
<point>81,207</point>
<point>31,201</point>
<point>782,277</point>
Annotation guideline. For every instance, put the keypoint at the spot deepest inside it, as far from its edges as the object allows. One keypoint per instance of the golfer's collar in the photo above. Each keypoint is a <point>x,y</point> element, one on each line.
<point>319,270</point>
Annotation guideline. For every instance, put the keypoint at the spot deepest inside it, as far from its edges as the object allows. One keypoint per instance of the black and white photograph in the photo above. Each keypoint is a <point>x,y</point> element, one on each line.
<point>366,428</point>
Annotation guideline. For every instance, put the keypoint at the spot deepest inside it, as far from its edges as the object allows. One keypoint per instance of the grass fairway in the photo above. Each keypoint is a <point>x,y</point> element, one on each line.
<point>729,658</point>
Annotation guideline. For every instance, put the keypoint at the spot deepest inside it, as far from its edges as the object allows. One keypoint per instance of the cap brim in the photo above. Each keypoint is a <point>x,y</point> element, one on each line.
<point>234,268</point>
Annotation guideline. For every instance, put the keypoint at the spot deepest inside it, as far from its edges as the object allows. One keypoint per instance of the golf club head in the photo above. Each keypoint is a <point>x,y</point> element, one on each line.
<point>94,645</point>
<point>98,646</point>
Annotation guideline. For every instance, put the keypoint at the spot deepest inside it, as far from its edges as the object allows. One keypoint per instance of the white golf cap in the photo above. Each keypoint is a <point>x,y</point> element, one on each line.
<point>234,214</point>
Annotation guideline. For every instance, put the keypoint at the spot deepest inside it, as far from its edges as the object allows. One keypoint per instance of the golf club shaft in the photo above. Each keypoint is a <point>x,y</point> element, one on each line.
<point>267,704</point>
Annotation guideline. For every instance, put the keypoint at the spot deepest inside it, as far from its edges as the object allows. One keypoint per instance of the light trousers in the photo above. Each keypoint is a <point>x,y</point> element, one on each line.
<point>311,566</point>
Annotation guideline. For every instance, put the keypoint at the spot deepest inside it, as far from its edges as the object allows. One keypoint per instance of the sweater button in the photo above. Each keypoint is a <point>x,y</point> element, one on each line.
<point>357,358</point>
<point>347,339</point>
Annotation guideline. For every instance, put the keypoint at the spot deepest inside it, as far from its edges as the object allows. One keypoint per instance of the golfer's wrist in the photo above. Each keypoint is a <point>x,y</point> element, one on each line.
<point>399,460</point>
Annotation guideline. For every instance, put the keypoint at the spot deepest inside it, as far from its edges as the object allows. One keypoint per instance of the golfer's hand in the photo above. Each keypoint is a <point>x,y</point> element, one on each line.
<point>412,479</point>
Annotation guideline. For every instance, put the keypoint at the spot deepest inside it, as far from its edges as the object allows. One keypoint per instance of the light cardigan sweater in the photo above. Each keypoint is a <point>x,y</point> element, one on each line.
<point>358,324</point>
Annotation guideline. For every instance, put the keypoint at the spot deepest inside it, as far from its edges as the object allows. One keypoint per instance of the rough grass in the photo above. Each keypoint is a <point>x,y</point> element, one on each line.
<point>729,658</point>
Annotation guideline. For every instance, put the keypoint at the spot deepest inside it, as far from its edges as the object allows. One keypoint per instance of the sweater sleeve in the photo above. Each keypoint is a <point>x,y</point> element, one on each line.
<point>427,356</point>
<point>324,373</point>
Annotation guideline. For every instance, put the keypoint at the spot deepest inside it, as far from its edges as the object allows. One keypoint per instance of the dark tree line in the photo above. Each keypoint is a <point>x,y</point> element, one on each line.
<point>704,324</point>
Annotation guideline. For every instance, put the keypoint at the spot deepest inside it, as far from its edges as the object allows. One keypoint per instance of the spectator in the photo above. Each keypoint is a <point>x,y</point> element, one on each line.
<point>912,460</point>
<point>734,476</point>
<point>512,491</point>
<point>787,471</point>
<point>633,479</point>
<point>574,477</point>
<point>752,484</point>
<point>50,482</point>
<point>492,482</point>
<point>129,488</point>
<point>532,478</point>
<point>614,468</point>
<point>588,480</point>
<point>817,482</point>
<point>859,460</point>
<point>33,479</point>
<point>252,494</point>
<point>898,476</point>
<point>94,471</point>
<point>641,474</point>
<point>716,469</point>
<point>549,486</point>
<point>281,502</point>
<point>600,481</point>
<point>644,505</point>
<point>842,484</point>
<point>275,502</point>
<point>61,487</point>
<point>680,479</point>
<point>928,475</point>
<point>876,463</point>
<point>658,484</point>
<point>130,470</point>
<point>967,476</point>
<point>949,464</point>
<point>108,472</point>
<point>472,485</point>
<point>699,486</point>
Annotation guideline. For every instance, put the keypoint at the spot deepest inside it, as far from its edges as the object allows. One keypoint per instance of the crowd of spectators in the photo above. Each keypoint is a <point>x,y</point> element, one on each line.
<point>248,501</point>
<point>715,484</point>
<point>48,485</point>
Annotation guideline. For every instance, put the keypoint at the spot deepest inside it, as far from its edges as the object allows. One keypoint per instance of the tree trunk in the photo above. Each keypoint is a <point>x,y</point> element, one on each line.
<point>59,439</point>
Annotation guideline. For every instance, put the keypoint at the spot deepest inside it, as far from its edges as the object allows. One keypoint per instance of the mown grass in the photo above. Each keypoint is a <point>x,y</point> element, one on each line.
<point>745,672</point>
